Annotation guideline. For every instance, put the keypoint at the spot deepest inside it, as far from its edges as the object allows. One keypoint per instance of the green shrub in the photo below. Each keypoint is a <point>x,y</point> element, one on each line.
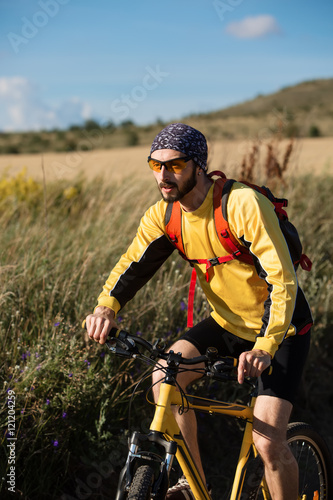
<point>314,131</point>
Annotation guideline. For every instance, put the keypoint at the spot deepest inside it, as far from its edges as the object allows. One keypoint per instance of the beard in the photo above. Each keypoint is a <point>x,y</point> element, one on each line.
<point>180,189</point>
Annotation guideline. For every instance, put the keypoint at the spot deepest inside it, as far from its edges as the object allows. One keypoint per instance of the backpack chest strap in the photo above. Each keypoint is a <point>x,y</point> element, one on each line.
<point>215,261</point>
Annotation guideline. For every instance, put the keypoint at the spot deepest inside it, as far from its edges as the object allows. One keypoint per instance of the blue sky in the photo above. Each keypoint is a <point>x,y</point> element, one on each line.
<point>64,61</point>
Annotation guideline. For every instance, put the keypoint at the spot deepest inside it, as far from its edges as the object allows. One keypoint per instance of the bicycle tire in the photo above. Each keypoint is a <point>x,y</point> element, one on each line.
<point>314,462</point>
<point>140,488</point>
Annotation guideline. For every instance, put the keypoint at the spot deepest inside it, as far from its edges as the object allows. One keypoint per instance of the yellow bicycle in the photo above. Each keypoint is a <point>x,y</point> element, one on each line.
<point>146,473</point>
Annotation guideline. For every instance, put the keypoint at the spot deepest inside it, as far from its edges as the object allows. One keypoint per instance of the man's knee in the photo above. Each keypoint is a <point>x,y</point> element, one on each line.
<point>275,453</point>
<point>270,422</point>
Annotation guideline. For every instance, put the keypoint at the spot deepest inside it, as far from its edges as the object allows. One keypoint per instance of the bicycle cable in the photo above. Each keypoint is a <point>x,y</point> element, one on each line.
<point>142,379</point>
<point>183,407</point>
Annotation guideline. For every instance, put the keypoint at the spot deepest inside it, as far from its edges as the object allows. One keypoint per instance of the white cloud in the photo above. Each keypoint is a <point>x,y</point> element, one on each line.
<point>254,27</point>
<point>22,107</point>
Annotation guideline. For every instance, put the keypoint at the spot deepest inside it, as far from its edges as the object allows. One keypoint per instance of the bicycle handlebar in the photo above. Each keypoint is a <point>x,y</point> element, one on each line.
<point>217,367</point>
<point>127,348</point>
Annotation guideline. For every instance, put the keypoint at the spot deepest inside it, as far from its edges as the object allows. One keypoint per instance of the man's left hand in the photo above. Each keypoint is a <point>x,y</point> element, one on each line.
<point>252,364</point>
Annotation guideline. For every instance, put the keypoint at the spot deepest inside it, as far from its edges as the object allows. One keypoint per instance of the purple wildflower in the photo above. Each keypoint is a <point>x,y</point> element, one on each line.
<point>47,401</point>
<point>57,324</point>
<point>70,375</point>
<point>182,305</point>
<point>64,415</point>
<point>55,442</point>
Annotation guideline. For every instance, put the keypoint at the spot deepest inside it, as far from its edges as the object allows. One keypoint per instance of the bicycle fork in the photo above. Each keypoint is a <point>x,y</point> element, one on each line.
<point>137,456</point>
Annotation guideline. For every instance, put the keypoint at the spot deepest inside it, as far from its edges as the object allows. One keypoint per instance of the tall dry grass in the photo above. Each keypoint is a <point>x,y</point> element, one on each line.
<point>56,252</point>
<point>57,248</point>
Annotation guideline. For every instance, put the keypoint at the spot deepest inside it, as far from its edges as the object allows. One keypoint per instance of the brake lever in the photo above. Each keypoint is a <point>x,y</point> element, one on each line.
<point>119,351</point>
<point>125,347</point>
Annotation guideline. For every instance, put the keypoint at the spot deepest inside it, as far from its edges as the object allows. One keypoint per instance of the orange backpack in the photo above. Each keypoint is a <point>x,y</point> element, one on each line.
<point>222,188</point>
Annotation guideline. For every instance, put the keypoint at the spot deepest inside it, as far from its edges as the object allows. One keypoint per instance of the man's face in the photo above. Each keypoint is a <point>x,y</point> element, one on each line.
<point>173,186</point>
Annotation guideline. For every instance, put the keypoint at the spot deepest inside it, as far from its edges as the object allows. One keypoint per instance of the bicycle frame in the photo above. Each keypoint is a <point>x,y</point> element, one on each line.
<point>165,423</point>
<point>139,475</point>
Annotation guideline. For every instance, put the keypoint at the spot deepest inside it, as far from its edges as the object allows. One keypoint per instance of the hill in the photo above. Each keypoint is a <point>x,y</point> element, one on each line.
<point>305,97</point>
<point>303,110</point>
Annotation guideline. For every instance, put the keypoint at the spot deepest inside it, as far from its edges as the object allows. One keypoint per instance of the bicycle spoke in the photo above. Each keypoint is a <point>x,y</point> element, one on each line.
<point>310,469</point>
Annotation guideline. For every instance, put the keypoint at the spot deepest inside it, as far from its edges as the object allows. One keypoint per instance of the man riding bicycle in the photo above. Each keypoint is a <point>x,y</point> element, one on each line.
<point>259,313</point>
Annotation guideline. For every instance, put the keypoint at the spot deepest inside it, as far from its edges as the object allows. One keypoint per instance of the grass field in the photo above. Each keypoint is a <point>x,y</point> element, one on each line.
<point>309,155</point>
<point>59,241</point>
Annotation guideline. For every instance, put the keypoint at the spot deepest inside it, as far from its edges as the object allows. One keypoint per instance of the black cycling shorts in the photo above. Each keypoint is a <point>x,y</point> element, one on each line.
<point>287,363</point>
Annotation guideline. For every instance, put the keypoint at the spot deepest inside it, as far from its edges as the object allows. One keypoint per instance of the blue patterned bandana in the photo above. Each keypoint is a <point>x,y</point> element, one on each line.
<point>184,139</point>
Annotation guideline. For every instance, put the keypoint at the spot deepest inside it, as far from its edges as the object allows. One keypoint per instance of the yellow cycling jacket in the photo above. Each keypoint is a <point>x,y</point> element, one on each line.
<point>261,303</point>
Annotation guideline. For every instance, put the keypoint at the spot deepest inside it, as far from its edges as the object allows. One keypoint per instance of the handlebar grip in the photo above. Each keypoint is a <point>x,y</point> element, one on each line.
<point>114,332</point>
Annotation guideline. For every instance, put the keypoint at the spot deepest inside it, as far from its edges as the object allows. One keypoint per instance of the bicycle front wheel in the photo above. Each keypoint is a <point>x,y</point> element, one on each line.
<point>314,462</point>
<point>141,484</point>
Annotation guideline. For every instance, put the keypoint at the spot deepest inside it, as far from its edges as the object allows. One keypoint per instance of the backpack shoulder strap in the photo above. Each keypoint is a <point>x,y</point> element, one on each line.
<point>225,196</point>
<point>222,190</point>
<point>173,226</point>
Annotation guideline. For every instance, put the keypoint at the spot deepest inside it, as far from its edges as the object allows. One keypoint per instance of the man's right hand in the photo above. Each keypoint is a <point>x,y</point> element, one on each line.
<point>100,323</point>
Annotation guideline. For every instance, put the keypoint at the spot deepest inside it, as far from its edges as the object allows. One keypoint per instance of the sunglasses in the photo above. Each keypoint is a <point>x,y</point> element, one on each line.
<point>175,166</point>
